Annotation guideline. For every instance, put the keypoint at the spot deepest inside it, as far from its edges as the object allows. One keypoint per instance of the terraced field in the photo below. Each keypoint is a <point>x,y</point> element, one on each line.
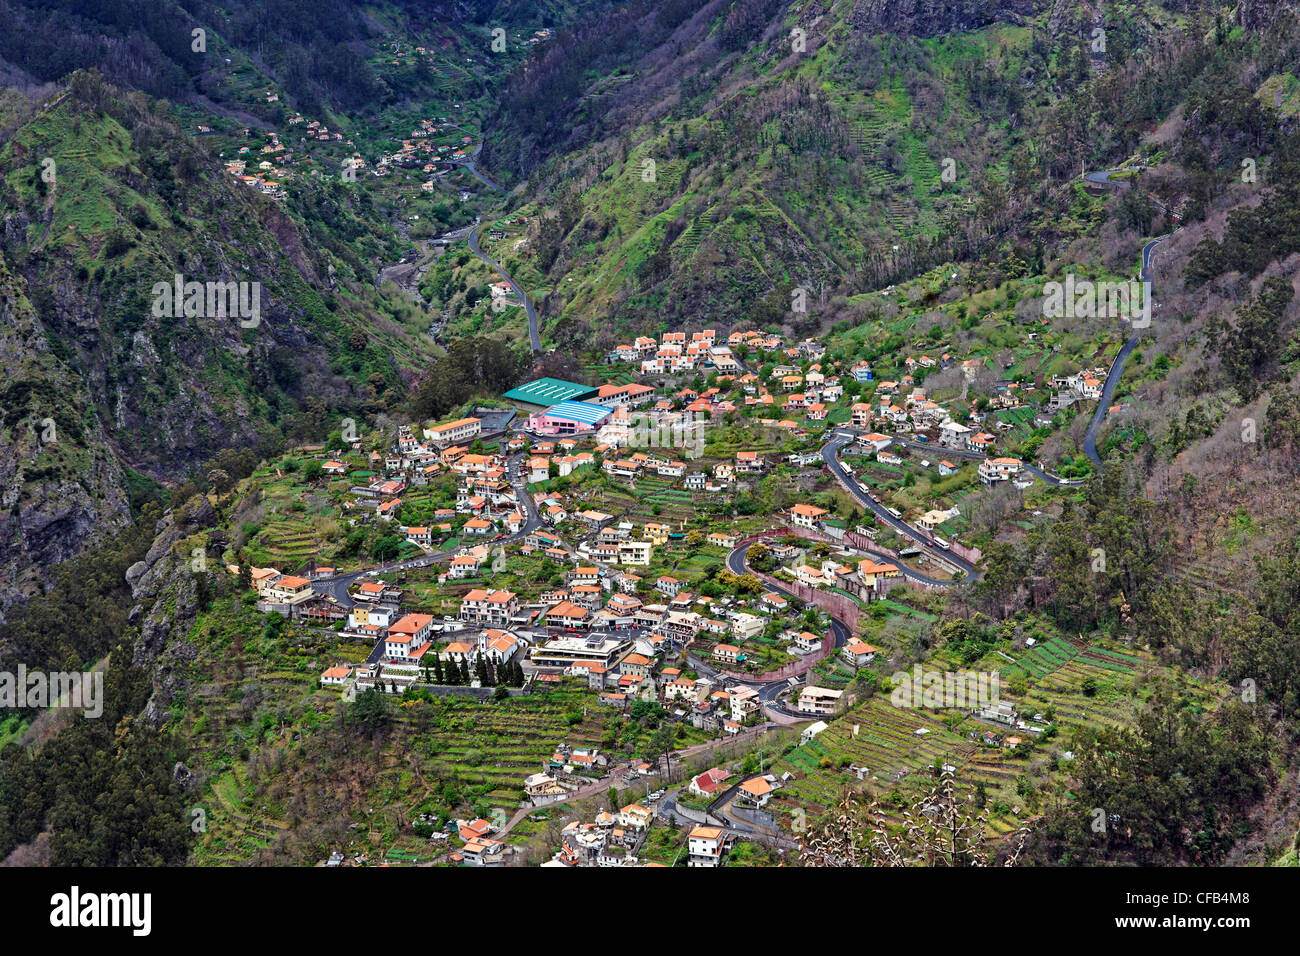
<point>499,746</point>
<point>287,541</point>
<point>1044,658</point>
<point>487,749</point>
<point>886,743</point>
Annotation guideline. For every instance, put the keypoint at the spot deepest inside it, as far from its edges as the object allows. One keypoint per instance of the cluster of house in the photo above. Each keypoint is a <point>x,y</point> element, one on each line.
<point>267,174</point>
<point>406,643</point>
<point>1084,385</point>
<point>612,839</point>
<point>593,627</point>
<point>803,393</point>
<point>678,351</point>
<point>420,153</point>
<point>478,847</point>
<point>486,501</point>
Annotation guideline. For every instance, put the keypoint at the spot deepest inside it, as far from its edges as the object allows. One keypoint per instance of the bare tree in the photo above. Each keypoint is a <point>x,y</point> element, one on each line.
<point>936,831</point>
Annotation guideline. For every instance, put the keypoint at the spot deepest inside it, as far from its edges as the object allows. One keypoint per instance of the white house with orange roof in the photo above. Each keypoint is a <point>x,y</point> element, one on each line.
<point>407,635</point>
<point>993,470</point>
<point>289,589</point>
<point>449,433</point>
<point>489,606</point>
<point>335,676</point>
<point>706,845</point>
<point>859,653</point>
<point>807,516</point>
<point>756,791</point>
<point>498,646</point>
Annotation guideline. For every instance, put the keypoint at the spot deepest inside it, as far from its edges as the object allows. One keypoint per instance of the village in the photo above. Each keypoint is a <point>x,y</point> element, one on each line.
<point>541,579</point>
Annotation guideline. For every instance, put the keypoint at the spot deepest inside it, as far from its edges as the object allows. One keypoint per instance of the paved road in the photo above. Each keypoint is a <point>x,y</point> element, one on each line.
<point>472,165</point>
<point>534,338</point>
<point>1116,372</point>
<point>941,451</point>
<point>830,455</point>
<point>337,586</point>
<point>1103,177</point>
<point>770,688</point>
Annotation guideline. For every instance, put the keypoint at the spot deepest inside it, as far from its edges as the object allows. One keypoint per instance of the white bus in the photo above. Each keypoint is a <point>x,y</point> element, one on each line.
<point>895,512</point>
<point>941,543</point>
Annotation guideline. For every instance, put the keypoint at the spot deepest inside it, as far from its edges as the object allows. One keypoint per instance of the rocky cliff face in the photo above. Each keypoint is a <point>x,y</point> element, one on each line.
<point>1257,15</point>
<point>165,604</point>
<point>134,202</point>
<point>60,487</point>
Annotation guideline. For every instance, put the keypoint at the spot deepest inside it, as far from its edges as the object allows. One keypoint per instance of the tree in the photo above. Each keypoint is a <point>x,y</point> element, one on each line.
<point>1249,349</point>
<point>661,743</point>
<point>369,712</point>
<point>936,831</point>
<point>387,547</point>
<point>759,556</point>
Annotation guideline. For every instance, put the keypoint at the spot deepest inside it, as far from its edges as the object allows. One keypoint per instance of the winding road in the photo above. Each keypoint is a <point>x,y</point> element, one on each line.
<point>534,337</point>
<point>830,455</point>
<point>1116,372</point>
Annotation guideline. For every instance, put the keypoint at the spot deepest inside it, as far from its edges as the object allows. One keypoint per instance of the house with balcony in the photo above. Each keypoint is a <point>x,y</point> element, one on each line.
<point>705,846</point>
<point>489,607</point>
<point>993,470</point>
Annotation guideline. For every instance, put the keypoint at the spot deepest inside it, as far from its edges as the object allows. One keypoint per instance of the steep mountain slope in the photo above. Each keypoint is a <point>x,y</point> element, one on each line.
<point>60,486</point>
<point>132,204</point>
<point>318,50</point>
<point>725,154</point>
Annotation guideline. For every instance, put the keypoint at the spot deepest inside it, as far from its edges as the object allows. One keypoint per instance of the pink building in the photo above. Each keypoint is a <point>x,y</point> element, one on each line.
<point>569,418</point>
